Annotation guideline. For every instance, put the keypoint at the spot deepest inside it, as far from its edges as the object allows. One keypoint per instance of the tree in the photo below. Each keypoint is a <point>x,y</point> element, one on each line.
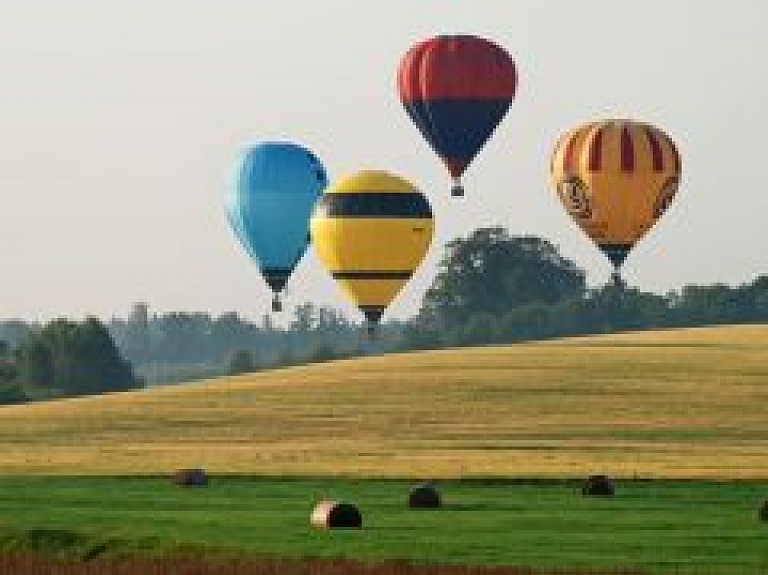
<point>182,336</point>
<point>332,320</point>
<point>137,343</point>
<point>323,352</point>
<point>34,364</point>
<point>103,367</point>
<point>69,358</point>
<point>9,391</point>
<point>491,273</point>
<point>241,362</point>
<point>304,318</point>
<point>14,331</point>
<point>286,357</point>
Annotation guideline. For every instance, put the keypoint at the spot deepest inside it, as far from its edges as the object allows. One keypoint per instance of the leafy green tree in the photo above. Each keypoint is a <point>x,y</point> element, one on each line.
<point>9,390</point>
<point>323,352</point>
<point>70,358</point>
<point>102,365</point>
<point>34,363</point>
<point>491,273</point>
<point>286,357</point>
<point>241,362</point>
<point>757,292</point>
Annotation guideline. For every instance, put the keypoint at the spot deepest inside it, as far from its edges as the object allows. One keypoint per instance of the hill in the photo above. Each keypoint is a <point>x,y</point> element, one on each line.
<point>678,403</point>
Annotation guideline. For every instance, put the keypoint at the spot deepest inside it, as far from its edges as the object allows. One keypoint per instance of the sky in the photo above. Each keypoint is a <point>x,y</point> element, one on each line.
<point>120,122</point>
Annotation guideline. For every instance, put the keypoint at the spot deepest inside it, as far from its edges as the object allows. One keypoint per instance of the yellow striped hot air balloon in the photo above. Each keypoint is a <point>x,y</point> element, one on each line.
<point>371,230</point>
<point>616,178</point>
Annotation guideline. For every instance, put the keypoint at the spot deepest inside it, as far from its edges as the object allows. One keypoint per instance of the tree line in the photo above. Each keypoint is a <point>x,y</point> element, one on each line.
<point>495,288</point>
<point>65,358</point>
<point>61,359</point>
<point>491,287</point>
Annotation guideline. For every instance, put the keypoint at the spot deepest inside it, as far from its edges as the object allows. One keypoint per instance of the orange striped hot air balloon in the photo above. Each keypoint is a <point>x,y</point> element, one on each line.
<point>616,178</point>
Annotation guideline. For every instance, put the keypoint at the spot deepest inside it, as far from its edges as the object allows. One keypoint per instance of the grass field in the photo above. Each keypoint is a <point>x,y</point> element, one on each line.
<point>679,526</point>
<point>685,403</point>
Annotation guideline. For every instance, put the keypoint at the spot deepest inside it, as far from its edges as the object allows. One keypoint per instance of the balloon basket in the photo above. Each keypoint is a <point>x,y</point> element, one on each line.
<point>457,191</point>
<point>277,305</point>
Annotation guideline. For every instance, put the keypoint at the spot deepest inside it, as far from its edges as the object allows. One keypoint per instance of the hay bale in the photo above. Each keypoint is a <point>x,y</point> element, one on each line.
<point>336,515</point>
<point>424,496</point>
<point>190,477</point>
<point>763,512</point>
<point>600,485</point>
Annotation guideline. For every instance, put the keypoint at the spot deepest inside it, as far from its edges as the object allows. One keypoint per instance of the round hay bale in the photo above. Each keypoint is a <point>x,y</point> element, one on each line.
<point>336,515</point>
<point>190,477</point>
<point>600,485</point>
<point>424,496</point>
<point>763,513</point>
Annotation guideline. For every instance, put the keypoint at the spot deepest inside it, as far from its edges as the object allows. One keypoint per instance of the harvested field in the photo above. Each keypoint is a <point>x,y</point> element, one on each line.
<point>523,424</point>
<point>680,403</point>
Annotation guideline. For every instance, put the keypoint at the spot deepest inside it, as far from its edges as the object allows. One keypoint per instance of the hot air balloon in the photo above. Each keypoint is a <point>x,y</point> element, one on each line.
<point>275,187</point>
<point>371,230</point>
<point>616,178</point>
<point>456,90</point>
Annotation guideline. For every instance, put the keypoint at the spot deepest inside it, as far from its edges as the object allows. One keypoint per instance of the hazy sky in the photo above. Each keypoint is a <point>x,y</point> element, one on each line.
<point>119,121</point>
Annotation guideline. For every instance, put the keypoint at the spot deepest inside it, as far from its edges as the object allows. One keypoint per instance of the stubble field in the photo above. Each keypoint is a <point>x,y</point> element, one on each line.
<point>678,404</point>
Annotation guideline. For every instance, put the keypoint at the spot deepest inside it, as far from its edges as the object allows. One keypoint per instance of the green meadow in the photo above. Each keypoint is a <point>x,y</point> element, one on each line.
<point>656,525</point>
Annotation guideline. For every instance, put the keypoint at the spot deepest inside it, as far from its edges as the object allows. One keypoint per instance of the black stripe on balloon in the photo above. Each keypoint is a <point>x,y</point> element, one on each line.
<point>373,205</point>
<point>372,274</point>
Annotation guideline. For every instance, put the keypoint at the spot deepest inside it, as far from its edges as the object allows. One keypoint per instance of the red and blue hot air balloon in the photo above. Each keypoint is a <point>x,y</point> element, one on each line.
<point>456,89</point>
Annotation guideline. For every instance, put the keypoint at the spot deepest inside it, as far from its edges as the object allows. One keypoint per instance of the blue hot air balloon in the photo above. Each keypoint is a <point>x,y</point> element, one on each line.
<point>269,204</point>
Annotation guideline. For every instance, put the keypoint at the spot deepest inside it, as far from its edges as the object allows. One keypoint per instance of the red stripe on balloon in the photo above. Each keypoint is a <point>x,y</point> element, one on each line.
<point>627,151</point>
<point>656,152</point>
<point>596,151</point>
<point>569,154</point>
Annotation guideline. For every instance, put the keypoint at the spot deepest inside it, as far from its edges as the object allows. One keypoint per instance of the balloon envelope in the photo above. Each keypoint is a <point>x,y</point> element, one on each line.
<point>371,230</point>
<point>269,204</point>
<point>456,90</point>
<point>615,178</point>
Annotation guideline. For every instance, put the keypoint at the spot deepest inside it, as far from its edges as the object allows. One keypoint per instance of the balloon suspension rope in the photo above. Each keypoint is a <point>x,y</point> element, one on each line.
<point>277,305</point>
<point>457,190</point>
